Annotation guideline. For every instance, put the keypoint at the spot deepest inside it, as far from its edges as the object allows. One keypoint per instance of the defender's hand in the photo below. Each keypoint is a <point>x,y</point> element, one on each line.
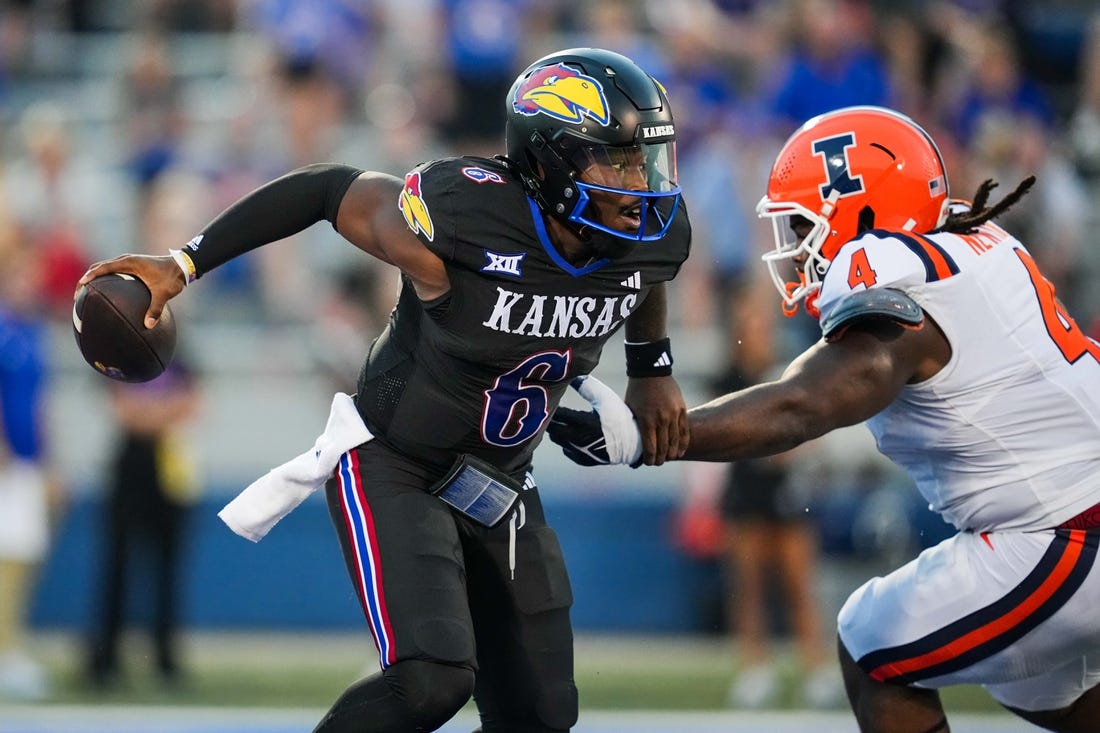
<point>659,408</point>
<point>160,274</point>
<point>607,435</point>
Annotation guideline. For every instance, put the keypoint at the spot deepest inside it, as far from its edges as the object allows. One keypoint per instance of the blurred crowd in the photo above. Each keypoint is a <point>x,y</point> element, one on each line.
<point>128,125</point>
<point>125,126</point>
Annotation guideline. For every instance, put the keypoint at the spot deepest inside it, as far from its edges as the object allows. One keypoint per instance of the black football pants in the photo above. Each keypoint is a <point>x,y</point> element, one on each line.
<point>450,602</point>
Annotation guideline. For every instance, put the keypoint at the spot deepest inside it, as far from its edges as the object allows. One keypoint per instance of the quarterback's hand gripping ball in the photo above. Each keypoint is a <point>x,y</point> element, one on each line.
<point>108,323</point>
<point>604,436</point>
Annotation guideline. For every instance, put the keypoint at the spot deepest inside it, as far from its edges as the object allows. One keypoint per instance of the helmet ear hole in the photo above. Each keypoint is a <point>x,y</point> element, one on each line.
<point>866,219</point>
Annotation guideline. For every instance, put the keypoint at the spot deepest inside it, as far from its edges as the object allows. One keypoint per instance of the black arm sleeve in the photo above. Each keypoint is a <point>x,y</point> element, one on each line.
<point>272,212</point>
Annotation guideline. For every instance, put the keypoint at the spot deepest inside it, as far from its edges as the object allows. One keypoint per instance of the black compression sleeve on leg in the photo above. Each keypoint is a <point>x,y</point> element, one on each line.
<point>939,727</point>
<point>272,212</point>
<point>411,695</point>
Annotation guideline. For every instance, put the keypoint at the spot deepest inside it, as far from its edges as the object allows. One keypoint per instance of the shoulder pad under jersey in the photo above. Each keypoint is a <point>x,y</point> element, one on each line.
<point>878,303</point>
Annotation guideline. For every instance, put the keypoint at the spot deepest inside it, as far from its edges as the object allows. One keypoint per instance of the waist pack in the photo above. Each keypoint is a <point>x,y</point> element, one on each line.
<point>478,490</point>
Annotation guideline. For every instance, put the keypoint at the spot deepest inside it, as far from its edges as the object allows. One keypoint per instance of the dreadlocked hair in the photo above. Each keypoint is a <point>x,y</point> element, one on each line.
<point>966,222</point>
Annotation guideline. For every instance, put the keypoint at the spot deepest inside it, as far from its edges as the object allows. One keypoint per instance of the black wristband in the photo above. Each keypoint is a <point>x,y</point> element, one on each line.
<point>272,212</point>
<point>649,358</point>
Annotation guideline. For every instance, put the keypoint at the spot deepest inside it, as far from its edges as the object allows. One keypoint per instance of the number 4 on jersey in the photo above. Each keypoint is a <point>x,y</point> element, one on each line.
<point>860,272</point>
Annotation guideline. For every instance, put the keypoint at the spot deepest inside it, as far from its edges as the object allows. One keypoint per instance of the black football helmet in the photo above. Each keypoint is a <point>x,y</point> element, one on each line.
<point>582,107</point>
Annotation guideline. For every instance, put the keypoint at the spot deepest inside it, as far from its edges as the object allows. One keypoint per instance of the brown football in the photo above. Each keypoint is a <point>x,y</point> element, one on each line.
<point>108,322</point>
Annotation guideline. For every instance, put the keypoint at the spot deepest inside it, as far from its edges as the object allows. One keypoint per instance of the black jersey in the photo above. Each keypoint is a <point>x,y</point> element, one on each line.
<point>481,369</point>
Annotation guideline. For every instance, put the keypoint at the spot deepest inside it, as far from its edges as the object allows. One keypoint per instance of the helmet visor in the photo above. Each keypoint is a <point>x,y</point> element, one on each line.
<point>627,191</point>
<point>628,168</point>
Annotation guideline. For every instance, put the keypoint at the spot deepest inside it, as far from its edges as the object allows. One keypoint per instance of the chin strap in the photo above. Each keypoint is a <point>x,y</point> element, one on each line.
<point>790,308</point>
<point>809,302</point>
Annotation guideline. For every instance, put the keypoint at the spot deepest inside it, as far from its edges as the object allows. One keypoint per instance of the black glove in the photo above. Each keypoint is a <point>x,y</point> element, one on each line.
<point>580,436</point>
<point>604,436</point>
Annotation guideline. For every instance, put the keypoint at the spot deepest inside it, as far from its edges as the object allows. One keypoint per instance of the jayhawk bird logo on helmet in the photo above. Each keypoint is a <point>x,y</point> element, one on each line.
<point>562,93</point>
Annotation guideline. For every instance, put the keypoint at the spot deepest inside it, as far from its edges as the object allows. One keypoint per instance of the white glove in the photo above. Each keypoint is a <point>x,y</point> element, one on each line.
<point>605,436</point>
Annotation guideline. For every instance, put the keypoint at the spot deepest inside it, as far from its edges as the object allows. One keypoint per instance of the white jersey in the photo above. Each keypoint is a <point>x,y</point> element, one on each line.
<point>1007,434</point>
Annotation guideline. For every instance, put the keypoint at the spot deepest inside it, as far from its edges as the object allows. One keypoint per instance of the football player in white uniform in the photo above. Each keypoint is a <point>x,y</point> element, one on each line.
<point>938,330</point>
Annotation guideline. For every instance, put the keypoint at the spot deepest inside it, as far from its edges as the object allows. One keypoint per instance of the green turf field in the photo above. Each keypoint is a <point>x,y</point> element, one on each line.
<point>299,671</point>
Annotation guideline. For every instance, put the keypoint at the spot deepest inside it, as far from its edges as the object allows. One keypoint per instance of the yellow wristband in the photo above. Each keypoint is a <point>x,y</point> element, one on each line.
<point>185,264</point>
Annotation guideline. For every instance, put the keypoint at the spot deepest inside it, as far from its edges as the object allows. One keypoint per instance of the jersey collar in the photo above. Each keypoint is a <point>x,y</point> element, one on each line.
<point>548,245</point>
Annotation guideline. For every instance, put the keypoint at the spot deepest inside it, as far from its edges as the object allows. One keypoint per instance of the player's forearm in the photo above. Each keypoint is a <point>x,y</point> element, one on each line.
<point>650,321</point>
<point>272,212</point>
<point>760,421</point>
<point>648,348</point>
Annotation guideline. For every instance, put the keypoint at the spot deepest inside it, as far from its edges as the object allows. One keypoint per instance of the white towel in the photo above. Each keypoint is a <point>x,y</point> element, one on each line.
<point>275,494</point>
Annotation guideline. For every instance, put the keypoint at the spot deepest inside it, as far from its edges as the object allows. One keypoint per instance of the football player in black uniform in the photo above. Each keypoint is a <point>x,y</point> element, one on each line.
<point>516,270</point>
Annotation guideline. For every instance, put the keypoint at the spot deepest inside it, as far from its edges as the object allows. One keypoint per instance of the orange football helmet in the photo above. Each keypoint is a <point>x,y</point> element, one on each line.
<point>847,171</point>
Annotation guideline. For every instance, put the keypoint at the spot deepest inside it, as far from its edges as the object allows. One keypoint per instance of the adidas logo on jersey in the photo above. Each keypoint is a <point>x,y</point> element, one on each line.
<point>634,282</point>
